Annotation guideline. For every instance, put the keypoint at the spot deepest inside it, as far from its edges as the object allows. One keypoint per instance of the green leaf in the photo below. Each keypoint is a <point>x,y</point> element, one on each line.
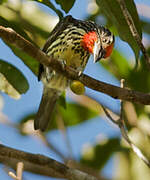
<point>13,77</point>
<point>65,4</point>
<point>97,156</point>
<point>50,5</point>
<point>121,63</point>
<point>113,12</point>
<point>140,79</point>
<point>72,115</point>
<point>75,114</point>
<point>118,65</point>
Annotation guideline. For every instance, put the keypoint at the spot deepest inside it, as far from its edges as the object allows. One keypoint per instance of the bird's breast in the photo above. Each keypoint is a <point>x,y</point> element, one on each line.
<point>73,55</point>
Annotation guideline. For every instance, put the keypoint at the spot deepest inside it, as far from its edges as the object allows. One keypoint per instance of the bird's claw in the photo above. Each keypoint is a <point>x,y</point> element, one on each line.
<point>79,73</point>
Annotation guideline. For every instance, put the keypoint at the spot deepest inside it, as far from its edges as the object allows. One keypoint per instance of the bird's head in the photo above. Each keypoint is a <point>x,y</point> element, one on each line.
<point>100,43</point>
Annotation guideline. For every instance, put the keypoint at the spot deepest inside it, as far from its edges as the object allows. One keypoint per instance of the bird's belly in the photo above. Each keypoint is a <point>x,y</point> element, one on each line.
<point>70,58</point>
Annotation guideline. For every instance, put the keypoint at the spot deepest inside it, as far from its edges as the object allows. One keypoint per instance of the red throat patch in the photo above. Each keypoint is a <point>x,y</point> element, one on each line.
<point>109,50</point>
<point>89,40</point>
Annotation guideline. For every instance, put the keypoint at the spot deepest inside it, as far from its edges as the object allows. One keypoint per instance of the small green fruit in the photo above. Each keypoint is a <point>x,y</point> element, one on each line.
<point>77,87</point>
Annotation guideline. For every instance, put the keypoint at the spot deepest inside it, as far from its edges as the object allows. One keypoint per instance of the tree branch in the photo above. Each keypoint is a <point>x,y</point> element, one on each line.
<point>40,164</point>
<point>10,36</point>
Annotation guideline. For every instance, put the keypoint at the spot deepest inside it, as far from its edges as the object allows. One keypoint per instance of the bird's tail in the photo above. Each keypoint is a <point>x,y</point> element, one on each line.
<point>46,108</point>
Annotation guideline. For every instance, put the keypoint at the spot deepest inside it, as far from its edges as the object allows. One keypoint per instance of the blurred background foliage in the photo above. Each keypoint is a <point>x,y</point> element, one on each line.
<point>35,24</point>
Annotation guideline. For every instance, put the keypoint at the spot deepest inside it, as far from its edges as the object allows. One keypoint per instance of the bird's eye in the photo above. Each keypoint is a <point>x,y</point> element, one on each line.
<point>104,40</point>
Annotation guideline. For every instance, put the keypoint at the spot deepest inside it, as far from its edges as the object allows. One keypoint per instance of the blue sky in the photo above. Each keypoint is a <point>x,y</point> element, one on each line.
<point>78,135</point>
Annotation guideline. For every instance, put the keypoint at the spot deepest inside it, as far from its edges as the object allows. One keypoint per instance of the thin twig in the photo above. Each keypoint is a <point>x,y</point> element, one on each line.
<point>19,170</point>
<point>133,30</point>
<point>109,116</point>
<point>11,37</point>
<point>121,102</point>
<point>124,132</point>
<point>11,174</point>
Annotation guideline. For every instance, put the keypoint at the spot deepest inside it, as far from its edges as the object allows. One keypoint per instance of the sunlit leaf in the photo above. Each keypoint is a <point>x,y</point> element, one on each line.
<point>123,166</point>
<point>7,88</point>
<point>12,80</point>
<point>113,12</point>
<point>65,4</point>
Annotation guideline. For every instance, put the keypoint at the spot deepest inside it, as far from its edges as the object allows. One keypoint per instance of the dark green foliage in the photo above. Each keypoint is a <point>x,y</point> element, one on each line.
<point>113,12</point>
<point>14,77</point>
<point>65,4</point>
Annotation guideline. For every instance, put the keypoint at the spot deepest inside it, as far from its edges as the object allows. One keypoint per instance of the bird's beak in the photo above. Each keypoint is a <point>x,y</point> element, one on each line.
<point>98,51</point>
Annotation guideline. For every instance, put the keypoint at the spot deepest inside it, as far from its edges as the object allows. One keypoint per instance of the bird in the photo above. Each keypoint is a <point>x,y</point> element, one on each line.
<point>71,42</point>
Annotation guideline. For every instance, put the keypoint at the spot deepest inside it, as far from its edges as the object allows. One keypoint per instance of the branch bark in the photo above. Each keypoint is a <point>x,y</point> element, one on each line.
<point>40,164</point>
<point>10,36</point>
